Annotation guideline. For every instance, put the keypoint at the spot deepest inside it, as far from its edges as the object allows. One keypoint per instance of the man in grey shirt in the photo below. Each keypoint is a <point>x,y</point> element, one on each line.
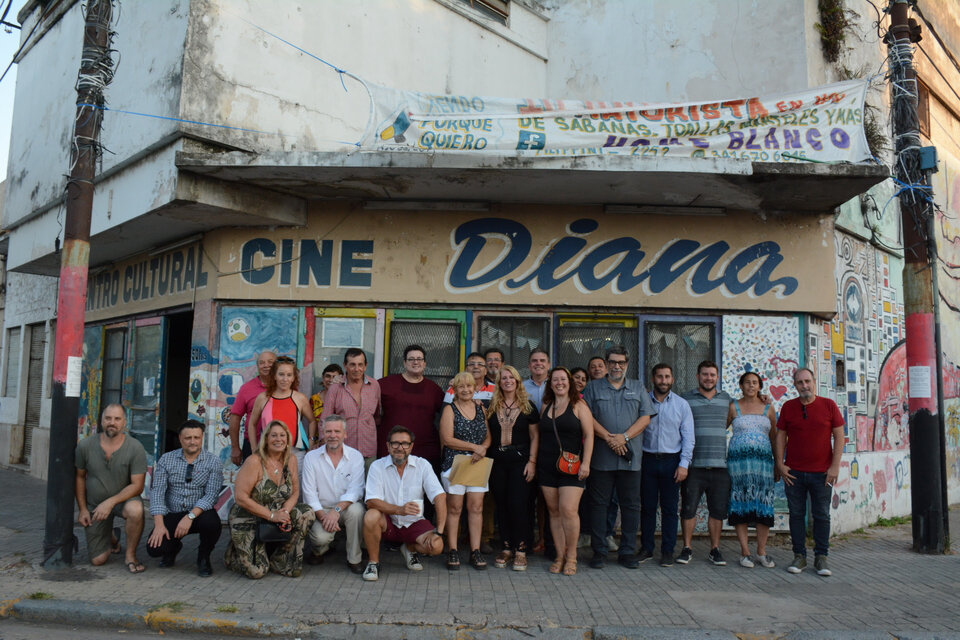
<point>708,470</point>
<point>621,410</point>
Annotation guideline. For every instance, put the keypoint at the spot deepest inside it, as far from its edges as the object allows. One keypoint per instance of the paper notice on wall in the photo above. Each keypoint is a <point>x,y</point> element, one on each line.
<point>920,382</point>
<point>74,369</point>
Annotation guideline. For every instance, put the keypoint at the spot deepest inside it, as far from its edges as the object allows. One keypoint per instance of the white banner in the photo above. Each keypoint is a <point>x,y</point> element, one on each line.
<point>820,124</point>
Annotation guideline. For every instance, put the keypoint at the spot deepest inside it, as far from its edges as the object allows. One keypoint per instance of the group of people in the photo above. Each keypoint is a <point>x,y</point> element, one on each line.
<point>551,438</point>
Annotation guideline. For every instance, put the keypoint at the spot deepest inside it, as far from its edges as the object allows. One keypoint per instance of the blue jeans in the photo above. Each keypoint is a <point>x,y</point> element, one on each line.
<point>814,485</point>
<point>658,487</point>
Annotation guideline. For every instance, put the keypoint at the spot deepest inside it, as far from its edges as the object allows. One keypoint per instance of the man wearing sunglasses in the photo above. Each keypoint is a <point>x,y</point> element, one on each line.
<point>810,430</point>
<point>186,483</point>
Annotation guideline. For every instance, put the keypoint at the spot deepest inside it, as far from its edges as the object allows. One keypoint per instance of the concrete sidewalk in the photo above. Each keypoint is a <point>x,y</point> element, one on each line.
<point>880,589</point>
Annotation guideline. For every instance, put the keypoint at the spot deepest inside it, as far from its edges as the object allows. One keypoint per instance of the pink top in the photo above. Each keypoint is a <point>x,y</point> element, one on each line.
<point>246,397</point>
<point>360,416</point>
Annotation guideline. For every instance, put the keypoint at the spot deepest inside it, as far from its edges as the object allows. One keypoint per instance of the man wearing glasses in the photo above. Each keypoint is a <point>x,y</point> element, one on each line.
<point>483,388</point>
<point>396,486</point>
<point>186,483</point>
<point>413,400</point>
<point>810,430</point>
<point>621,411</point>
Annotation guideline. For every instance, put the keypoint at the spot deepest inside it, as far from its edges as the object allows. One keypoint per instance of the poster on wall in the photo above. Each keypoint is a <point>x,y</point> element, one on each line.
<point>342,333</point>
<point>823,124</point>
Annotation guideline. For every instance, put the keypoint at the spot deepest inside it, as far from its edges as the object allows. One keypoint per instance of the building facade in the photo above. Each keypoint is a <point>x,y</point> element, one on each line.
<point>247,217</point>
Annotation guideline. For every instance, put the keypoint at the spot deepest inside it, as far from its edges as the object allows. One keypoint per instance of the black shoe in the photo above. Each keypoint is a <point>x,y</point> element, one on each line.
<point>597,561</point>
<point>204,570</point>
<point>644,555</point>
<point>317,558</point>
<point>392,546</point>
<point>666,560</point>
<point>168,559</point>
<point>356,568</point>
<point>629,562</point>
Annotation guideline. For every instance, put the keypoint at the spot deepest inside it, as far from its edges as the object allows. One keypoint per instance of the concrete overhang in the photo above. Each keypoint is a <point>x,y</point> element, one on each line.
<point>619,180</point>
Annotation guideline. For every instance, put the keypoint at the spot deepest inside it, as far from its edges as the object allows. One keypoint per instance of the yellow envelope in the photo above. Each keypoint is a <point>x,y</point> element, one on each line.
<point>470,474</point>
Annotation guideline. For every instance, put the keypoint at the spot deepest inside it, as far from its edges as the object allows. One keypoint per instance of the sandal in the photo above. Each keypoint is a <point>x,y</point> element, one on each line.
<point>477,561</point>
<point>570,567</point>
<point>135,567</point>
<point>115,547</point>
<point>453,560</point>
<point>520,561</point>
<point>503,559</point>
<point>557,565</point>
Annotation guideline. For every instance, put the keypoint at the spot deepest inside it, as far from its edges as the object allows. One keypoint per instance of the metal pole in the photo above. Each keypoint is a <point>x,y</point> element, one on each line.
<point>918,289</point>
<point>96,71</point>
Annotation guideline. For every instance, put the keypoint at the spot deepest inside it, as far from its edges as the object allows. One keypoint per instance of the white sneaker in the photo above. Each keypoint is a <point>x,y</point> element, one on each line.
<point>372,572</point>
<point>612,544</point>
<point>766,562</point>
<point>746,562</point>
<point>412,558</point>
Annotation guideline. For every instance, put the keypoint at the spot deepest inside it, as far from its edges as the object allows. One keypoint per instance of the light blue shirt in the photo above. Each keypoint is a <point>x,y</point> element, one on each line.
<point>535,391</point>
<point>671,430</point>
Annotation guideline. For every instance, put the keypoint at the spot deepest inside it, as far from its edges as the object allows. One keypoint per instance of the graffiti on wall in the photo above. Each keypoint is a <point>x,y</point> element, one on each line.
<point>873,482</point>
<point>769,346</point>
<point>90,375</point>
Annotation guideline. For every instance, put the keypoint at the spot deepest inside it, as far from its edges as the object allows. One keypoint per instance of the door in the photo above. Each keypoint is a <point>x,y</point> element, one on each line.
<point>176,379</point>
<point>146,362</point>
<point>581,337</point>
<point>34,387</point>
<point>441,333</point>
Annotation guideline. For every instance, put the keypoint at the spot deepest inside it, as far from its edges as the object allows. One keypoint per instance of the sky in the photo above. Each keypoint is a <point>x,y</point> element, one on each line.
<point>9,43</point>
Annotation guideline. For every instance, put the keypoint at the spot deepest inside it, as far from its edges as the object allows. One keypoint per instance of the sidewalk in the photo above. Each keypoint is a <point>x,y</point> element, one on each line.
<point>879,589</point>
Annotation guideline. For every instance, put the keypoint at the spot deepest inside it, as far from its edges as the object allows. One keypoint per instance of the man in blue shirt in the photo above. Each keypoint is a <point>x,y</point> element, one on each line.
<point>621,411</point>
<point>667,452</point>
<point>536,384</point>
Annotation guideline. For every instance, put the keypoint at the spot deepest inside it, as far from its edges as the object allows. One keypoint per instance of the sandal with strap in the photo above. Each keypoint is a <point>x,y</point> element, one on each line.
<point>520,561</point>
<point>477,561</point>
<point>557,565</point>
<point>503,559</point>
<point>570,567</point>
<point>453,560</point>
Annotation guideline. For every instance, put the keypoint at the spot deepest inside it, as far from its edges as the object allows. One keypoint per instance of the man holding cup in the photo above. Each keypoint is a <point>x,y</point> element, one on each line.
<point>396,487</point>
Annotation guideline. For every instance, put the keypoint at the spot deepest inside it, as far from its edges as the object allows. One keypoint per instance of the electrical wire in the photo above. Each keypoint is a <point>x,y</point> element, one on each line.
<point>26,40</point>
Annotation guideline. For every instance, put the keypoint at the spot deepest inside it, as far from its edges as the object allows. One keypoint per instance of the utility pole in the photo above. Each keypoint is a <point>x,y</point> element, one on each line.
<point>919,253</point>
<point>96,72</point>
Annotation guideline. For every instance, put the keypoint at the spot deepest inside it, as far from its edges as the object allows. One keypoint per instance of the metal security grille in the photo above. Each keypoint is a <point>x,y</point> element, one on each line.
<point>11,376</point>
<point>34,388</point>
<point>440,339</point>
<point>114,347</point>
<point>681,345</point>
<point>516,337</point>
<point>580,341</point>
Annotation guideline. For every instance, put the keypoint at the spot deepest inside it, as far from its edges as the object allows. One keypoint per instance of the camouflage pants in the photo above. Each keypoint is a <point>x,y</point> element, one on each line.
<point>251,558</point>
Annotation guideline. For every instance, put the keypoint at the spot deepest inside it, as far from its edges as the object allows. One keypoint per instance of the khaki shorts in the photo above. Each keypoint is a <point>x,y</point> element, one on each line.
<point>100,534</point>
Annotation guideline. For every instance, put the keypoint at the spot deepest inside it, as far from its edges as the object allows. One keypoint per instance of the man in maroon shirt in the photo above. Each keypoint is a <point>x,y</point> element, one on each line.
<point>243,405</point>
<point>810,429</point>
<point>412,400</point>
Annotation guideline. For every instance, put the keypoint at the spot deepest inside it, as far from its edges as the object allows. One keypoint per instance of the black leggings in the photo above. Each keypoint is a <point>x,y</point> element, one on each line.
<point>511,494</point>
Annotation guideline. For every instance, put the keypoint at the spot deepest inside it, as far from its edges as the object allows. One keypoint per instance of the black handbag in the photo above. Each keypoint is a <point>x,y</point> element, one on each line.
<point>271,532</point>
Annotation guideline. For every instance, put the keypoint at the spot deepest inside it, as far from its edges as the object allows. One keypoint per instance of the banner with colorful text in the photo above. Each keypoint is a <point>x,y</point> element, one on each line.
<point>821,124</point>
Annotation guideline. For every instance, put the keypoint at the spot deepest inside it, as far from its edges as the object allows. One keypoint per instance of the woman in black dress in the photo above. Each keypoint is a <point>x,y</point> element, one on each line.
<point>512,420</point>
<point>565,420</point>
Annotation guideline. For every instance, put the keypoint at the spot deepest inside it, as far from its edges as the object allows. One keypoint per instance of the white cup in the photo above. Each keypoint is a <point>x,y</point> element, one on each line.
<point>419,504</point>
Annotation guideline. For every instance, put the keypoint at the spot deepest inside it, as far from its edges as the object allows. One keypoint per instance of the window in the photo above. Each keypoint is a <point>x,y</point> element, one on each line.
<point>683,344</point>
<point>516,336</point>
<point>111,391</point>
<point>498,10</point>
<point>923,108</point>
<point>440,338</point>
<point>11,374</point>
<point>147,355</point>
<point>580,338</point>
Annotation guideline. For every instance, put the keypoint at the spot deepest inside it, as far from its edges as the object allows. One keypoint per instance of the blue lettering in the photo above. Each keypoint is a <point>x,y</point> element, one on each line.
<point>253,275</point>
<point>663,272</point>
<point>622,270</point>
<point>839,138</point>
<point>769,253</point>
<point>471,237</point>
<point>559,254</point>
<point>286,261</point>
<point>349,263</point>
<point>315,263</point>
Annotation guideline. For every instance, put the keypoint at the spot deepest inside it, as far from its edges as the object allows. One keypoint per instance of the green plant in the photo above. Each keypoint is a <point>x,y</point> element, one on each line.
<point>227,608</point>
<point>40,595</point>
<point>892,522</point>
<point>176,606</point>
<point>835,23</point>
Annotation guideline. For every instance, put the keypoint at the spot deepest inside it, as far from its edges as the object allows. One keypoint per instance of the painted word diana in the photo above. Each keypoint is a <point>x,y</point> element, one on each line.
<point>619,262</point>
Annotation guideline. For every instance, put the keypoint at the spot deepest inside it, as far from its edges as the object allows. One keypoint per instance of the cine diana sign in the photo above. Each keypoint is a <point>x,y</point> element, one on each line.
<point>735,262</point>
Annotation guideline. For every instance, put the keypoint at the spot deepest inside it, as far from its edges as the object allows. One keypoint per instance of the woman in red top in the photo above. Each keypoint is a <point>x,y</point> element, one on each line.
<point>281,401</point>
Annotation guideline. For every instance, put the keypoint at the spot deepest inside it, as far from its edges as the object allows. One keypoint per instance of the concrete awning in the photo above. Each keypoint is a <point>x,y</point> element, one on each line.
<point>615,180</point>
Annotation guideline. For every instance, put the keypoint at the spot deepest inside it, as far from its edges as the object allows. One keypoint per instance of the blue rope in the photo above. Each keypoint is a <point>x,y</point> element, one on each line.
<point>150,115</point>
<point>301,50</point>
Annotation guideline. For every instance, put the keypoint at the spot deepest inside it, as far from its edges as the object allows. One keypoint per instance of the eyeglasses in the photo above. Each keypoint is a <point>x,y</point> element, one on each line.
<point>416,359</point>
<point>400,445</point>
<point>476,364</point>
<point>617,363</point>
<point>189,477</point>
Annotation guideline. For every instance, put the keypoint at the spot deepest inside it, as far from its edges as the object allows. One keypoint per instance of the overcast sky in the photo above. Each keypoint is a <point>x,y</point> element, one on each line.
<point>9,42</point>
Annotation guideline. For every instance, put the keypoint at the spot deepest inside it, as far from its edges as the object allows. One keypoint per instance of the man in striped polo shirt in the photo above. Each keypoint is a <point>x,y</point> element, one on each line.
<point>708,470</point>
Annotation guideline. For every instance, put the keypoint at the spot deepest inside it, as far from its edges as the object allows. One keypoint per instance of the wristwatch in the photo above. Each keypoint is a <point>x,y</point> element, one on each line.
<point>626,437</point>
<point>191,515</point>
<point>337,509</point>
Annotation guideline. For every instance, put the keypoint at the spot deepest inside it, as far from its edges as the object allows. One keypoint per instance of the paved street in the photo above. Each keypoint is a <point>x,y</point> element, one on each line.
<point>878,585</point>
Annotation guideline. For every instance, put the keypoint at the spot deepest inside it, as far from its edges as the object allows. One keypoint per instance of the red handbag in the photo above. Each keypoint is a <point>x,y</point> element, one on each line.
<point>568,463</point>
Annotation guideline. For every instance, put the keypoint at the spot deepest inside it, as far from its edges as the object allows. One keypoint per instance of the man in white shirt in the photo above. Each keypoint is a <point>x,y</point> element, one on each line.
<point>333,486</point>
<point>396,486</point>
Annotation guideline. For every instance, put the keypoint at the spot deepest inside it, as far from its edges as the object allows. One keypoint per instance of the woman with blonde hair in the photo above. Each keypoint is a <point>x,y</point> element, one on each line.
<point>512,420</point>
<point>267,489</point>
<point>463,431</point>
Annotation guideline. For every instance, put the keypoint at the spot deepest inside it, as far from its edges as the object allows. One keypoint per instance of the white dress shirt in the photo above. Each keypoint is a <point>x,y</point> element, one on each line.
<point>385,483</point>
<point>325,485</point>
